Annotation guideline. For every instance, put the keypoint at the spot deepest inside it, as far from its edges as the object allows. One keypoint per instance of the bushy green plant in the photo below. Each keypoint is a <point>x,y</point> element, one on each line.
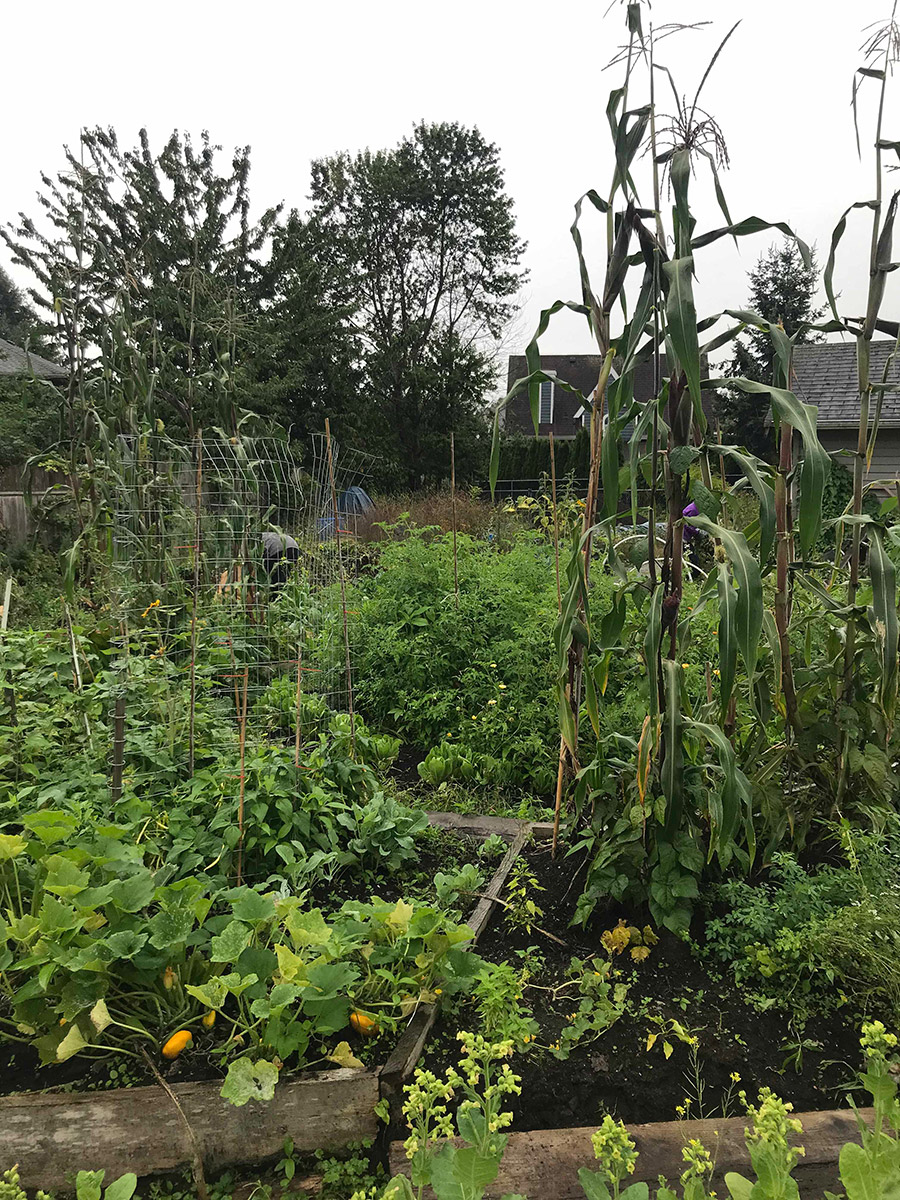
<point>477,673</point>
<point>808,939</point>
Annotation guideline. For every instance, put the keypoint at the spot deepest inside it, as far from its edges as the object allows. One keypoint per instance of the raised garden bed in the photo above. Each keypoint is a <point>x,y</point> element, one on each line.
<point>616,1073</point>
<point>140,1129</point>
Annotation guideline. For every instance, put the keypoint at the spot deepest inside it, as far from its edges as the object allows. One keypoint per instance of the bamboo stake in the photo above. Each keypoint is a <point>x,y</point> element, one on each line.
<point>76,669</point>
<point>196,589</point>
<point>4,612</point>
<point>297,722</point>
<point>240,854</point>
<point>453,507</point>
<point>337,536</point>
<point>4,622</point>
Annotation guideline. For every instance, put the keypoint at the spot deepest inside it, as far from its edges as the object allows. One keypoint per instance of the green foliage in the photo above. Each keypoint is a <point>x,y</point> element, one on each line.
<point>481,1081</point>
<point>521,909</point>
<point>502,1013</point>
<point>478,675</point>
<point>425,240</point>
<point>807,940</point>
<point>97,953</point>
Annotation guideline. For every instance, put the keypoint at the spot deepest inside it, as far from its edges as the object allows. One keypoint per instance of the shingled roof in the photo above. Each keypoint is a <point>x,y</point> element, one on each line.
<point>825,375</point>
<point>14,361</point>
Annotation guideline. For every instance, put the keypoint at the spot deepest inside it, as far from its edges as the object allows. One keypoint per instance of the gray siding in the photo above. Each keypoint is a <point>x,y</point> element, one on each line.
<point>886,456</point>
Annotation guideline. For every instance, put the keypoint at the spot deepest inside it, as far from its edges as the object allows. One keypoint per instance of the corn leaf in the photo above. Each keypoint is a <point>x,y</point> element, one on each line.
<point>728,598</point>
<point>885,624</point>
<point>748,610</point>
<point>816,465</point>
<point>681,320</point>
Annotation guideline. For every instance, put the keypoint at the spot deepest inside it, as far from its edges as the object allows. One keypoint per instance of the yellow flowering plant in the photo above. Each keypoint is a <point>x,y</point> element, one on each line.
<point>481,1081</point>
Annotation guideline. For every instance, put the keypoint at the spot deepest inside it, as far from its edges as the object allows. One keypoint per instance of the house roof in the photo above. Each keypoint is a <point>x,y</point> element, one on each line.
<point>14,361</point>
<point>825,375</point>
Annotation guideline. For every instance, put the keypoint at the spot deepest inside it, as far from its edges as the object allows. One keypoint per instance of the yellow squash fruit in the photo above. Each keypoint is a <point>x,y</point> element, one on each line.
<point>209,1019</point>
<point>363,1023</point>
<point>177,1043</point>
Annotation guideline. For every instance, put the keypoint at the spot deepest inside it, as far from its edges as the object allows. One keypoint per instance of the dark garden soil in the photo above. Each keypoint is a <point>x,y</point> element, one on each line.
<point>616,1073</point>
<point>404,770</point>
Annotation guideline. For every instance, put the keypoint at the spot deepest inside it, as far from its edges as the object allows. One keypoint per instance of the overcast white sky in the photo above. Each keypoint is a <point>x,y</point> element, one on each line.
<point>301,80</point>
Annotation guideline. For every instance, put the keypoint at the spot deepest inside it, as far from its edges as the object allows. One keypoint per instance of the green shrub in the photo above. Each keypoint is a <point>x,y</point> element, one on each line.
<point>808,940</point>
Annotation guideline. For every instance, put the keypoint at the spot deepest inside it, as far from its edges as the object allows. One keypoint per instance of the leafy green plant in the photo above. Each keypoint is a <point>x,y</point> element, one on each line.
<point>493,846</point>
<point>808,940</point>
<point>520,908</point>
<point>443,762</point>
<point>503,1014</point>
<point>465,882</point>
<point>599,1004</point>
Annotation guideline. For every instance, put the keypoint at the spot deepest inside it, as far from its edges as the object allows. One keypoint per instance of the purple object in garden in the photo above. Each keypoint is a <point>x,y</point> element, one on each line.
<point>690,531</point>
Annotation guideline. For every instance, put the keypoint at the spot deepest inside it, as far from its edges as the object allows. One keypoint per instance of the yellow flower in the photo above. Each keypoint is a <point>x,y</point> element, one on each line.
<point>493,664</point>
<point>438,991</point>
<point>502,686</point>
<point>492,701</point>
<point>735,1078</point>
<point>685,666</point>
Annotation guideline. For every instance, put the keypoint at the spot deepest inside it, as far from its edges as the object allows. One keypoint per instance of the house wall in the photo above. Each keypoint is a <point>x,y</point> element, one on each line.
<point>517,418</point>
<point>885,457</point>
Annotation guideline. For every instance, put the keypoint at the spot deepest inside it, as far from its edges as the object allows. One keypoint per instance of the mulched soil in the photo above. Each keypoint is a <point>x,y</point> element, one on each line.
<point>616,1073</point>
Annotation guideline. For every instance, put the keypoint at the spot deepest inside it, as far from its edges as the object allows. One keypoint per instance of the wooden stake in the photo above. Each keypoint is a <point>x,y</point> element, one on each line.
<point>196,589</point>
<point>453,507</point>
<point>118,749</point>
<point>4,622</point>
<point>297,723</point>
<point>559,787</point>
<point>4,612</point>
<point>240,854</point>
<point>561,765</point>
<point>337,536</point>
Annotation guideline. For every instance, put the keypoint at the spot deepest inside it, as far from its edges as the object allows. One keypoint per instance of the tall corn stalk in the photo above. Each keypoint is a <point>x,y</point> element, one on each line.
<point>655,314</point>
<point>881,51</point>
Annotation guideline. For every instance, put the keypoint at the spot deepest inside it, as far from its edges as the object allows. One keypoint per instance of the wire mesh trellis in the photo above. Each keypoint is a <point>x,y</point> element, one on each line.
<point>230,560</point>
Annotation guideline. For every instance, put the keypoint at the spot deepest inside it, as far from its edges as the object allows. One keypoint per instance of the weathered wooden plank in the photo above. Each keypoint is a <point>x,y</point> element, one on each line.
<point>139,1129</point>
<point>408,1050</point>
<point>545,1163</point>
<point>479,826</point>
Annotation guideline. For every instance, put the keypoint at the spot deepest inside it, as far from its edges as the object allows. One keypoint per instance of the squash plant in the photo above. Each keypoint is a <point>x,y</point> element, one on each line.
<point>99,955</point>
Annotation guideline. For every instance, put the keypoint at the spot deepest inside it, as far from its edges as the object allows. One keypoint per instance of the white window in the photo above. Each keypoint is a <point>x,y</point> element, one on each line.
<point>545,405</point>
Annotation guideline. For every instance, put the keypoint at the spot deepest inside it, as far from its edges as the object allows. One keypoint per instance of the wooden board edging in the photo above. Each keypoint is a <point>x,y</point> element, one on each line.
<point>139,1129</point>
<point>409,1049</point>
<point>544,1164</point>
<point>483,827</point>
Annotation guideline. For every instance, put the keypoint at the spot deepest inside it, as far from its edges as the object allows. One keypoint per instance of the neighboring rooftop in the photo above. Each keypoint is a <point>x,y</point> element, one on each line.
<point>825,375</point>
<point>14,361</point>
